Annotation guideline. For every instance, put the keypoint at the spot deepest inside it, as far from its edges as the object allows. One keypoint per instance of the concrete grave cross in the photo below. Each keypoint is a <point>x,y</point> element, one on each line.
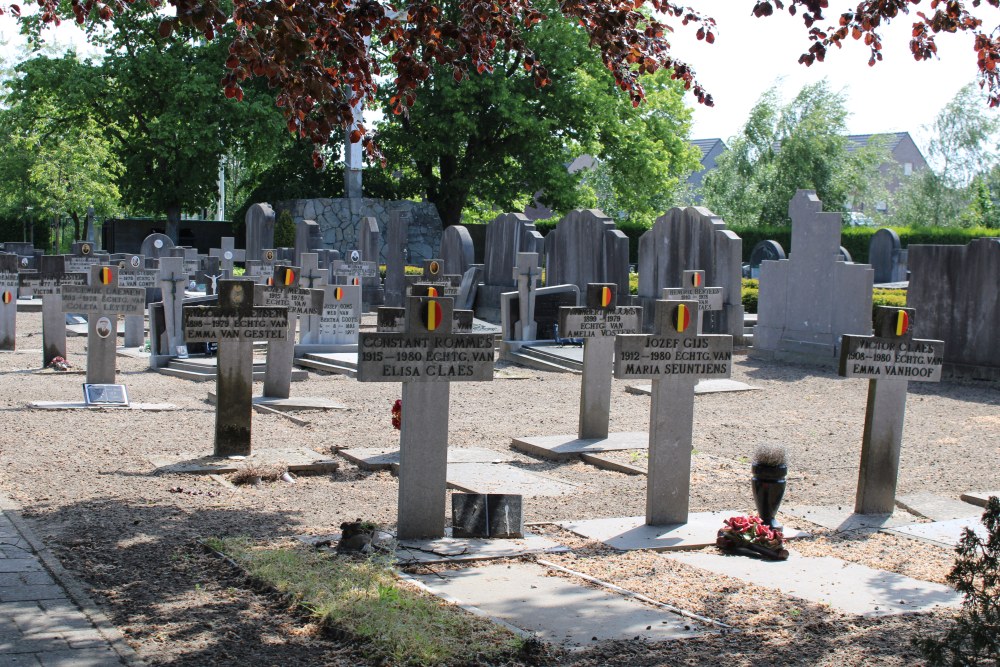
<point>341,318</point>
<point>228,254</point>
<point>133,272</point>
<point>350,271</point>
<point>597,323</point>
<point>103,301</point>
<point>285,293</point>
<point>674,358</point>
<point>693,288</point>
<point>311,277</point>
<point>83,255</point>
<point>235,323</point>
<point>526,273</point>
<point>173,279</point>
<point>426,357</point>
<point>8,300</point>
<point>889,359</point>
<point>47,282</point>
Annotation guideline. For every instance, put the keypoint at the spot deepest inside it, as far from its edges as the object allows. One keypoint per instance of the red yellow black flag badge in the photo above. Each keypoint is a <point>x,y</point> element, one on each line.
<point>682,318</point>
<point>432,315</point>
<point>902,322</point>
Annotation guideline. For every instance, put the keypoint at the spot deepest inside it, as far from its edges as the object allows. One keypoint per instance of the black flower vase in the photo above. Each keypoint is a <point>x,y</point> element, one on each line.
<point>768,488</point>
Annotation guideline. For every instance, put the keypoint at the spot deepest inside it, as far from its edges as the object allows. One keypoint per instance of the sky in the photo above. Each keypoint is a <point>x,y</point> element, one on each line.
<point>751,55</point>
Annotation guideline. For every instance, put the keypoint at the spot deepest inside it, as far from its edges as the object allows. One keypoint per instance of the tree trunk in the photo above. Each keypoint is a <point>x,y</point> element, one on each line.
<point>173,222</point>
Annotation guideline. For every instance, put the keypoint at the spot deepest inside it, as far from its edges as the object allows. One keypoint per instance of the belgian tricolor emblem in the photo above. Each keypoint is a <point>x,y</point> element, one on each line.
<point>288,278</point>
<point>432,315</point>
<point>607,296</point>
<point>432,291</point>
<point>902,322</point>
<point>356,281</point>
<point>682,318</point>
<point>338,293</point>
<point>106,275</point>
<point>7,296</point>
<point>270,281</point>
<point>696,279</point>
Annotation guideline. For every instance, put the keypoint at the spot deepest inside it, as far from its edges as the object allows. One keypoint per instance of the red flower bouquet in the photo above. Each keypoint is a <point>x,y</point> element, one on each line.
<point>750,533</point>
<point>397,414</point>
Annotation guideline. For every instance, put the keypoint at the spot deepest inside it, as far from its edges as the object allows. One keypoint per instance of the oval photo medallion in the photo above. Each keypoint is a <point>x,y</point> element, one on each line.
<point>104,327</point>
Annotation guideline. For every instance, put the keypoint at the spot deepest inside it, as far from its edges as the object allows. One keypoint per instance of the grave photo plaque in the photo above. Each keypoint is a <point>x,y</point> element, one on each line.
<point>105,394</point>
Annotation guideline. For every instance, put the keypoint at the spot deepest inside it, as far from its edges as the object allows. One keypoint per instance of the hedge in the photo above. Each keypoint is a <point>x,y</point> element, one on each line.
<point>880,296</point>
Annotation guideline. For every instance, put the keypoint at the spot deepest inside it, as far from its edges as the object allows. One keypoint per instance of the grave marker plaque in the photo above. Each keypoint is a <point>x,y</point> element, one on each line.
<point>312,277</point>
<point>8,300</point>
<point>674,358</point>
<point>235,323</point>
<point>341,319</point>
<point>285,293</point>
<point>425,357</point>
<point>889,359</point>
<point>708,298</point>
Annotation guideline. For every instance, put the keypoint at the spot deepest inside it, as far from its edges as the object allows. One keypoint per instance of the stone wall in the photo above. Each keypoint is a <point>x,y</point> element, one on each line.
<point>338,221</point>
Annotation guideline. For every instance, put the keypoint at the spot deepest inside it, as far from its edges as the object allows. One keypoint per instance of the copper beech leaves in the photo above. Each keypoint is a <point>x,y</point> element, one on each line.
<point>315,53</point>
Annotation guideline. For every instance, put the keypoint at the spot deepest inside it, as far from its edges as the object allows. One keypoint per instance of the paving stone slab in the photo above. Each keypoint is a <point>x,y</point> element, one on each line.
<point>631,533</point>
<point>387,458</point>
<point>557,610</point>
<point>504,478</point>
<point>979,497</point>
<point>937,508</point>
<point>942,533</point>
<point>563,447</point>
<point>298,459</point>
<point>290,404</point>
<point>841,518</point>
<point>459,549</point>
<point>61,405</point>
<point>847,587</point>
<point>703,387</point>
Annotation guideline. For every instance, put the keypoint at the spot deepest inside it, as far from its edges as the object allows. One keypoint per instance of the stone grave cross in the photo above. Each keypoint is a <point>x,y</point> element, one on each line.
<point>311,277</point>
<point>102,301</point>
<point>527,273</point>
<point>889,359</point>
<point>235,323</point>
<point>597,323</point>
<point>674,357</point>
<point>83,256</point>
<point>134,272</point>
<point>47,283</point>
<point>173,279</point>
<point>693,289</point>
<point>228,254</point>
<point>353,269</point>
<point>426,357</point>
<point>285,293</point>
<point>8,300</point>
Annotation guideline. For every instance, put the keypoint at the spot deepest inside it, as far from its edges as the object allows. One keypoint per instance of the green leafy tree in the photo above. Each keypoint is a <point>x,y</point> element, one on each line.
<point>781,149</point>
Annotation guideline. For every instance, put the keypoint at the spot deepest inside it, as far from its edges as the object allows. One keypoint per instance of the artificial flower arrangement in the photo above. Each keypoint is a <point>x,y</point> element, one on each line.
<point>59,364</point>
<point>750,533</point>
<point>397,414</point>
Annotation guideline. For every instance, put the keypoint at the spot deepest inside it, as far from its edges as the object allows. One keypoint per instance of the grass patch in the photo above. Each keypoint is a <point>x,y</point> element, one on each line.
<point>361,598</point>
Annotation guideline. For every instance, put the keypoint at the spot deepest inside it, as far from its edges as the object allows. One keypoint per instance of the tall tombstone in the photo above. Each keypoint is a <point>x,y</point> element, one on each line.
<point>369,244</point>
<point>156,246</point>
<point>808,301</point>
<point>227,254</point>
<point>103,301</point>
<point>311,277</point>
<point>506,236</point>
<point>674,357</point>
<point>885,254</point>
<point>765,251</point>
<point>83,256</point>
<point>710,299</point>
<point>8,300</point>
<point>527,272</point>
<point>173,279</point>
<point>457,250</point>
<point>889,359</point>
<point>308,238</point>
<point>341,318</point>
<point>47,283</point>
<point>693,238</point>
<point>426,357</point>
<point>395,258</point>
<point>597,323</point>
<point>586,248</point>
<point>260,229</point>
<point>134,273</point>
<point>235,323</point>
<point>285,293</point>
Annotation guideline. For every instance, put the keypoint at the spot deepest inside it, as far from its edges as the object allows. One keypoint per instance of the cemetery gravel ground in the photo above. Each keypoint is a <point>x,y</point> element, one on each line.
<point>85,482</point>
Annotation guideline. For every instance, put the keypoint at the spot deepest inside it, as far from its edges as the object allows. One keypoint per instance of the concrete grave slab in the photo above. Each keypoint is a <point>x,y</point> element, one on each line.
<point>456,550</point>
<point>62,405</point>
<point>979,498</point>
<point>943,533</point>
<point>847,587</point>
<point>841,518</point>
<point>503,478</point>
<point>290,404</point>
<point>937,508</point>
<point>631,533</point>
<point>298,459</point>
<point>387,458</point>
<point>563,447</point>
<point>703,387</point>
<point>557,609</point>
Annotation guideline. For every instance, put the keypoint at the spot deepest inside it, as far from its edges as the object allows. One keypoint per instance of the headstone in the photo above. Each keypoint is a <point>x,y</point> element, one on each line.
<point>102,301</point>
<point>395,258</point>
<point>586,248</point>
<point>597,323</point>
<point>260,230</point>
<point>762,252</point>
<point>308,238</point>
<point>808,301</point>
<point>311,277</point>
<point>889,359</point>
<point>674,358</point>
<point>506,236</point>
<point>693,238</point>
<point>156,246</point>
<point>369,244</point>
<point>353,270</point>
<point>83,256</point>
<point>235,323</point>
<point>8,300</point>
<point>90,233</point>
<point>173,279</point>
<point>693,288</point>
<point>47,283</point>
<point>227,254</point>
<point>457,251</point>
<point>884,254</point>
<point>285,293</point>
<point>496,515</point>
<point>341,318</point>
<point>209,273</point>
<point>466,297</point>
<point>426,358</point>
<point>527,273</point>
<point>548,302</point>
<point>133,272</point>
<point>954,288</point>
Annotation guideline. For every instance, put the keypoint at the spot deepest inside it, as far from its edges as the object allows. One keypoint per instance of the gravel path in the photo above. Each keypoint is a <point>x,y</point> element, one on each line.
<point>85,481</point>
